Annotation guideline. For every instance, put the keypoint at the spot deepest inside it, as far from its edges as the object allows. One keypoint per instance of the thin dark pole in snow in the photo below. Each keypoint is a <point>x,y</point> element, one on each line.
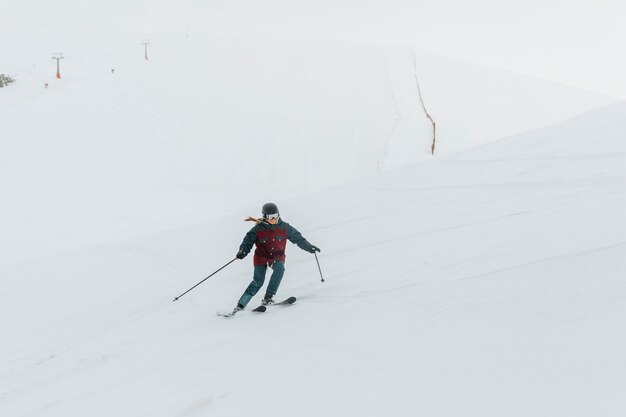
<point>204,279</point>
<point>318,267</point>
<point>145,43</point>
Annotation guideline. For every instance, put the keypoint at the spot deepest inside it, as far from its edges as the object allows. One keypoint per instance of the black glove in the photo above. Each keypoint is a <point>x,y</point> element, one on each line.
<point>241,254</point>
<point>314,249</point>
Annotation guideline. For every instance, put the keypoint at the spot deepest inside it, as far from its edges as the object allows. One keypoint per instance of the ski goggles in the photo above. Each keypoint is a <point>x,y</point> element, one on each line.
<point>271,216</point>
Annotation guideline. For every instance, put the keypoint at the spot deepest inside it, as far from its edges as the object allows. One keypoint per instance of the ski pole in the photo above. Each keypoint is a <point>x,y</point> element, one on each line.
<point>318,267</point>
<point>204,279</point>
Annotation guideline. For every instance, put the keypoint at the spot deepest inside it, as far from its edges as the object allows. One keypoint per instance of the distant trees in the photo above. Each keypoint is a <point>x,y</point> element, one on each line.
<point>5,80</point>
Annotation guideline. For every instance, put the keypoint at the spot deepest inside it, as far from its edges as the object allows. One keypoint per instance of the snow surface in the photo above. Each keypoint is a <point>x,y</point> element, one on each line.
<point>208,126</point>
<point>487,281</point>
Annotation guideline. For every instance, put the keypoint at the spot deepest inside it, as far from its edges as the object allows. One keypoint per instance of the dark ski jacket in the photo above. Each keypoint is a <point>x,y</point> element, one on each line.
<point>271,241</point>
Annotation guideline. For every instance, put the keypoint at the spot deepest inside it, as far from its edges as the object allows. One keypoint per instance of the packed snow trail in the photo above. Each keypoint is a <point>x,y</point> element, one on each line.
<point>493,278</point>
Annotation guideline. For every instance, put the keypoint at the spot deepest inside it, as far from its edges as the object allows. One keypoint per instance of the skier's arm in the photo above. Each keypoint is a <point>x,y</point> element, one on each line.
<point>247,243</point>
<point>296,237</point>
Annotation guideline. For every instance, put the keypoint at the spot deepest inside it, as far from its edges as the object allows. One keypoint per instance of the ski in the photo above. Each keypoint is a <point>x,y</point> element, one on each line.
<point>232,313</point>
<point>259,309</point>
<point>286,302</point>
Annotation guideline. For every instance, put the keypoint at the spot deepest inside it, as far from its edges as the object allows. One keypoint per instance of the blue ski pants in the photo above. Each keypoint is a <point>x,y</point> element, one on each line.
<point>258,280</point>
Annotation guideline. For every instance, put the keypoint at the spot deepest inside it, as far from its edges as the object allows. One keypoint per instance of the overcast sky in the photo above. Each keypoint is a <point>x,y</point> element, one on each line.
<point>576,42</point>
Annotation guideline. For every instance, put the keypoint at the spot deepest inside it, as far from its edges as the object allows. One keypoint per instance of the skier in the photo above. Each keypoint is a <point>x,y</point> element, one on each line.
<point>270,235</point>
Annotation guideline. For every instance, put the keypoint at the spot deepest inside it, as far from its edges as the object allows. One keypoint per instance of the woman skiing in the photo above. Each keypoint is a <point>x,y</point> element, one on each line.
<point>270,236</point>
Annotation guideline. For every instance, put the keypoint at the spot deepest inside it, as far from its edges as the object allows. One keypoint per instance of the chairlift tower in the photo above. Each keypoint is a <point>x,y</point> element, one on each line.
<point>58,56</point>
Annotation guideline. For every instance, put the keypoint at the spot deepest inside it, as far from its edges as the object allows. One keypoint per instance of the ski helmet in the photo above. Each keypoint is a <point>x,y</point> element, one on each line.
<point>269,208</point>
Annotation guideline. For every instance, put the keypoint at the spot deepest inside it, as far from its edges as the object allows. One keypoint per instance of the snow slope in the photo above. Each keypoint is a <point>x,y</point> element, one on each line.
<point>487,283</point>
<point>482,283</point>
<point>209,125</point>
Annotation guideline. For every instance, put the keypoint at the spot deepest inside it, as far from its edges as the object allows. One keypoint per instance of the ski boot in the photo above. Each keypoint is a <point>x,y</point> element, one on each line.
<point>267,300</point>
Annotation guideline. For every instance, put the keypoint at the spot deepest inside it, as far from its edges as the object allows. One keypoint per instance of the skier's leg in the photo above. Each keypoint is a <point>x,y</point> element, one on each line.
<point>277,276</point>
<point>255,285</point>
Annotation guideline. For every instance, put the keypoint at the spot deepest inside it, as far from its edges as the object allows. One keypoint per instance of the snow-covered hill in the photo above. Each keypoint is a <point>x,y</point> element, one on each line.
<point>489,283</point>
<point>207,126</point>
